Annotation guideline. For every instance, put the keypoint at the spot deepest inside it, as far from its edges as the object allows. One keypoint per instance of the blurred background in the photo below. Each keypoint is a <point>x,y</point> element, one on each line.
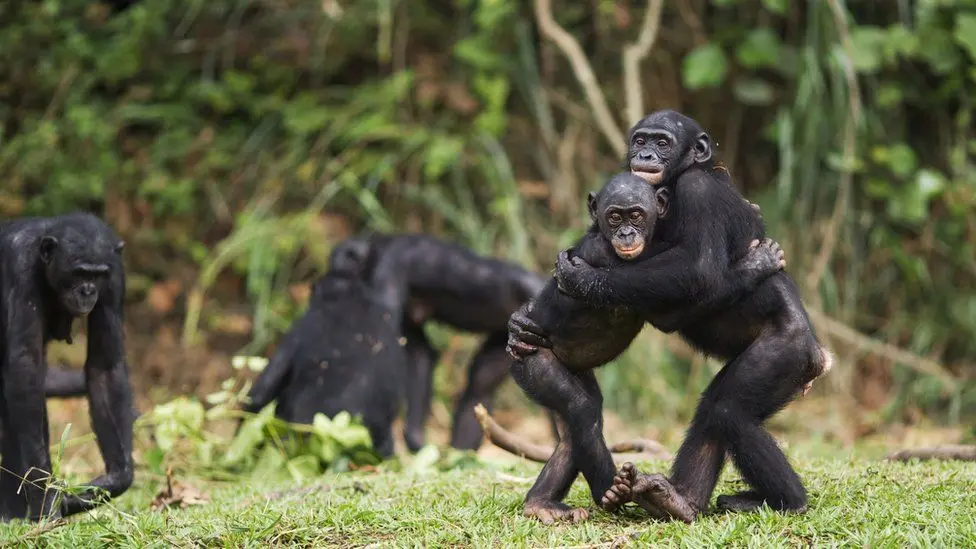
<point>232,143</point>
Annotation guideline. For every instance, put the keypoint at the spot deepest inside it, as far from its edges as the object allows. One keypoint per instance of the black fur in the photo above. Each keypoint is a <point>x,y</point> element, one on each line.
<point>54,270</point>
<point>687,285</point>
<point>451,284</point>
<point>343,354</point>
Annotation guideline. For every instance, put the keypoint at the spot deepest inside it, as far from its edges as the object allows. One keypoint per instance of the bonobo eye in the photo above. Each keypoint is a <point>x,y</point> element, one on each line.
<point>636,216</point>
<point>662,144</point>
<point>639,141</point>
<point>615,218</point>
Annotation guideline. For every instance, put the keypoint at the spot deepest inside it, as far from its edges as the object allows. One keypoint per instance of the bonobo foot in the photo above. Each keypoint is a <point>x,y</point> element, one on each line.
<point>750,501</point>
<point>654,493</point>
<point>550,512</point>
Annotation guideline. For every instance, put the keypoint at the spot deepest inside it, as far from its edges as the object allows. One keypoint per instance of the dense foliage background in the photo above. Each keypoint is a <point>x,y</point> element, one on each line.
<point>231,143</point>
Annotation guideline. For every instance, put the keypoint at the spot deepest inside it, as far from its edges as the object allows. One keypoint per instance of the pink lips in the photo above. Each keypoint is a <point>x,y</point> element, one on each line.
<point>652,178</point>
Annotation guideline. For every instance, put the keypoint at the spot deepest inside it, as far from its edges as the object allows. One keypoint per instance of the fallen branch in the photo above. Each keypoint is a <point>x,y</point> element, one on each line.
<point>584,74</point>
<point>629,450</point>
<point>959,452</point>
<point>853,337</point>
<point>632,57</point>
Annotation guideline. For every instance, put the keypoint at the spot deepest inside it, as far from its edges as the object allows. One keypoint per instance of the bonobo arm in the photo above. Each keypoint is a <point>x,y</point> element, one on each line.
<point>25,421</point>
<point>272,379</point>
<point>64,382</point>
<point>109,397</point>
<point>525,336</point>
<point>388,283</point>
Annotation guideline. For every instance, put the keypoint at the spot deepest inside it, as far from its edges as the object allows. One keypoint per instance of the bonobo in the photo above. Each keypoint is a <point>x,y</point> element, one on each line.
<point>453,285</point>
<point>763,333</point>
<point>581,337</point>
<point>55,270</point>
<point>343,354</point>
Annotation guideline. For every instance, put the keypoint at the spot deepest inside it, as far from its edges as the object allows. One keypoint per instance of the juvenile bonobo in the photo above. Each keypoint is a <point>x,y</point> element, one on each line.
<point>764,333</point>
<point>343,354</point>
<point>582,337</point>
<point>453,285</point>
<point>53,271</point>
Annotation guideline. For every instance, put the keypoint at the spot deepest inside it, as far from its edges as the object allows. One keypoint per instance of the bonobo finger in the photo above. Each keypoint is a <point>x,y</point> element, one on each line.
<point>754,244</point>
<point>528,338</point>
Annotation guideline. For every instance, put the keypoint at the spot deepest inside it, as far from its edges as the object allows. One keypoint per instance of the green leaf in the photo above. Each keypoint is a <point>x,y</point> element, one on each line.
<point>930,184</point>
<point>760,48</point>
<point>703,67</point>
<point>724,3</point>
<point>868,42</point>
<point>303,467</point>
<point>424,460</point>
<point>901,160</point>
<point>776,6</point>
<point>966,33</point>
<point>249,436</point>
<point>753,91</point>
<point>440,154</point>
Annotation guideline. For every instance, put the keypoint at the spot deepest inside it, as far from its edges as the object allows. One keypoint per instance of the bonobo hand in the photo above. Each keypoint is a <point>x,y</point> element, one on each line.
<point>524,336</point>
<point>765,256</point>
<point>575,276</point>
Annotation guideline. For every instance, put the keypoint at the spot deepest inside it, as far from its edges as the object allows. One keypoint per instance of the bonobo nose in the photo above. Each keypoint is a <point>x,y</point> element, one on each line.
<point>87,290</point>
<point>645,155</point>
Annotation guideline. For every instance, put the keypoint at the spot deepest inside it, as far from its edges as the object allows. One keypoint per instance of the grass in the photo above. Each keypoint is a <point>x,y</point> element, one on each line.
<point>853,503</point>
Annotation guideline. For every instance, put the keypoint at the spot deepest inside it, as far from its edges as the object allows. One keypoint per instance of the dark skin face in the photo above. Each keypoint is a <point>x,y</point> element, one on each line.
<point>665,144</point>
<point>75,274</point>
<point>626,211</point>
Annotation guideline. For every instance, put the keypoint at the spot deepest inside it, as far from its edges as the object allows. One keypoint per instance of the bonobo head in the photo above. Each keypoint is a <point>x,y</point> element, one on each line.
<point>626,210</point>
<point>349,257</point>
<point>77,264</point>
<point>666,143</point>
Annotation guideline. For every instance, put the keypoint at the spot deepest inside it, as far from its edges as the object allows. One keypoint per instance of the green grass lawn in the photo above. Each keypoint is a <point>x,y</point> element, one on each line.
<point>852,503</point>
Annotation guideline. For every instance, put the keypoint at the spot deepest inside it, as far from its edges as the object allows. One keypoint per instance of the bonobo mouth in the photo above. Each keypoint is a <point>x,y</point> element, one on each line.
<point>626,253</point>
<point>652,175</point>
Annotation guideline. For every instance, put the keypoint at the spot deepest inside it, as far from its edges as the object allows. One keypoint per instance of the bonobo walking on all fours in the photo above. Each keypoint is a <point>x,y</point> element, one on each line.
<point>581,337</point>
<point>453,285</point>
<point>765,334</point>
<point>55,270</point>
<point>344,353</point>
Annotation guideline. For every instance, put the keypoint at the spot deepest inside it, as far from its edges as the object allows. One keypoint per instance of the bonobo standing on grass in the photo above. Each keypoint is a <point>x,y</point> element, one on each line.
<point>765,334</point>
<point>582,337</point>
<point>453,285</point>
<point>343,354</point>
<point>53,271</point>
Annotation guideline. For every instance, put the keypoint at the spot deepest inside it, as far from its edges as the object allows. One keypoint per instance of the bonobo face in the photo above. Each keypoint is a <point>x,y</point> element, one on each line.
<point>349,256</point>
<point>664,144</point>
<point>76,270</point>
<point>626,210</point>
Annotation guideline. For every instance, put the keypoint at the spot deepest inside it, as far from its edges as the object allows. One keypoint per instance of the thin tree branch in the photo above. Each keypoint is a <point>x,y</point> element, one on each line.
<point>850,134</point>
<point>871,345</point>
<point>584,74</point>
<point>958,452</point>
<point>633,55</point>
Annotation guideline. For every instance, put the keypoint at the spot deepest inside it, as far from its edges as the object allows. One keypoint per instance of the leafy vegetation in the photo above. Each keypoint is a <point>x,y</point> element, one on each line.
<point>224,140</point>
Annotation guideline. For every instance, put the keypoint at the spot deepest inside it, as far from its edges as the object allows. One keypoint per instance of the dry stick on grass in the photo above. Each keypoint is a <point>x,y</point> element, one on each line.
<point>629,450</point>
<point>584,74</point>
<point>959,452</point>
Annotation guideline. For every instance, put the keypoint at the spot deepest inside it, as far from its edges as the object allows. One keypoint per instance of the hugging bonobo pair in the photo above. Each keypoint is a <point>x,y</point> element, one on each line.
<point>673,243</point>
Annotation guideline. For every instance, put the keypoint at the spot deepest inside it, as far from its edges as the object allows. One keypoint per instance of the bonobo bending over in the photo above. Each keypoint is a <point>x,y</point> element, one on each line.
<point>582,337</point>
<point>451,284</point>
<point>55,270</point>
<point>764,334</point>
<point>343,354</point>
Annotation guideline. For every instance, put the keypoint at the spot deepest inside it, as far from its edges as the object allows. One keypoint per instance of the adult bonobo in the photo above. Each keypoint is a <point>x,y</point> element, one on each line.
<point>764,334</point>
<point>453,285</point>
<point>344,353</point>
<point>53,271</point>
<point>582,337</point>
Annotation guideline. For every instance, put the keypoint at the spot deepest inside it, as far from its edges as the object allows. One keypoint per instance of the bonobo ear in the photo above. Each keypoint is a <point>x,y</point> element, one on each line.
<point>703,148</point>
<point>119,247</point>
<point>663,197</point>
<point>48,245</point>
<point>591,205</point>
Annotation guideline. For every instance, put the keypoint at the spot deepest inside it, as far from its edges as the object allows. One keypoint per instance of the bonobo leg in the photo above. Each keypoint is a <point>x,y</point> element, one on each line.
<point>747,391</point>
<point>577,402</point>
<point>421,358</point>
<point>489,368</point>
